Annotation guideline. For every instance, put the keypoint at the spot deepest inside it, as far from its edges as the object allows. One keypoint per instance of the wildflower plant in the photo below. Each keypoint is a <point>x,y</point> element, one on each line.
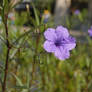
<point>25,62</point>
<point>77,12</point>
<point>90,31</point>
<point>59,42</point>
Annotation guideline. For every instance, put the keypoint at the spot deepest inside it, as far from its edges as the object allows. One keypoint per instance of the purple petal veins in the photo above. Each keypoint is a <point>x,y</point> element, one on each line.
<point>59,42</point>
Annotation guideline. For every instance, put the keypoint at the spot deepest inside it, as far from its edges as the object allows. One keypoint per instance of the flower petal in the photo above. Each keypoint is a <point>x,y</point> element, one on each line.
<point>62,32</point>
<point>62,54</point>
<point>50,34</point>
<point>70,43</point>
<point>49,46</point>
<point>90,32</point>
<point>70,46</point>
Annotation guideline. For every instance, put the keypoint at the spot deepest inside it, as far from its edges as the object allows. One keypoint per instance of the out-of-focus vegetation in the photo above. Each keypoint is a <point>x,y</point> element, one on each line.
<point>31,69</point>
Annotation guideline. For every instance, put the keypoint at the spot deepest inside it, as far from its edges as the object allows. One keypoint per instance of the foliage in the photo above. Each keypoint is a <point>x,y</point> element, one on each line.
<point>31,69</point>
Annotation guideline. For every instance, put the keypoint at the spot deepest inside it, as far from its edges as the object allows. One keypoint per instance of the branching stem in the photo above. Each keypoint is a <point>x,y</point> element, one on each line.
<point>7,55</point>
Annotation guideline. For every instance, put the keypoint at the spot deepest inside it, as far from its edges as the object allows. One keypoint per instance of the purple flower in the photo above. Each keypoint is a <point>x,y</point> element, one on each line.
<point>90,31</point>
<point>59,42</point>
<point>77,12</point>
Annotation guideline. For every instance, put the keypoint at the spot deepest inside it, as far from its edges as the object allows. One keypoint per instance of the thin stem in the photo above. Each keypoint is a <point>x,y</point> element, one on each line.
<point>7,56</point>
<point>34,59</point>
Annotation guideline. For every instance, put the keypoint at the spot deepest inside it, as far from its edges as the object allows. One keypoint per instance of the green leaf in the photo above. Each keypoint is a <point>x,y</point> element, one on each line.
<point>6,5</point>
<point>18,80</point>
<point>36,15</point>
<point>20,87</point>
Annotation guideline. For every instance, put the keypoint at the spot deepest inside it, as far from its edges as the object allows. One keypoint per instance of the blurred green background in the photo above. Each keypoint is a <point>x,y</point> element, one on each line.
<point>31,69</point>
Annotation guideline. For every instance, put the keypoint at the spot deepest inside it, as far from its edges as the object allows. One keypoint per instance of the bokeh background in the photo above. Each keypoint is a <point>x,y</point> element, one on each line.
<point>31,68</point>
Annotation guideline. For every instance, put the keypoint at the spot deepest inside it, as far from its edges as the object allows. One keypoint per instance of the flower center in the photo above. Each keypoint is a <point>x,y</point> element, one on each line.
<point>58,43</point>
